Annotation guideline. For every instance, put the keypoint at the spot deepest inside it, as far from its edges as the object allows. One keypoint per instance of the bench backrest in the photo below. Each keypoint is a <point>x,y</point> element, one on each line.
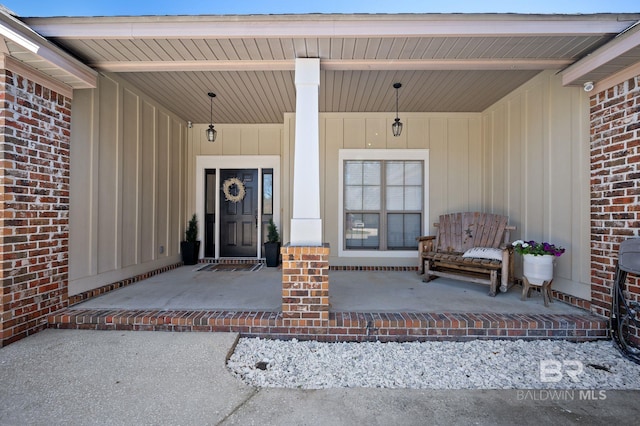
<point>458,232</point>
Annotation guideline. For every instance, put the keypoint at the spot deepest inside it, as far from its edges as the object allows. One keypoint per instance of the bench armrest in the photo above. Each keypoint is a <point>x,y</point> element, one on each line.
<point>425,243</point>
<point>426,238</point>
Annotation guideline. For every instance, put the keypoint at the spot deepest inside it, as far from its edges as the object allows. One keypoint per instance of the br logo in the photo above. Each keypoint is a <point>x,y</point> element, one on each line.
<point>552,371</point>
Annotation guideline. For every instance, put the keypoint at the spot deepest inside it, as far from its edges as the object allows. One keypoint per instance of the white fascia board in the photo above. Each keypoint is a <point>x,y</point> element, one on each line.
<point>88,77</point>
<point>616,47</point>
<point>21,40</point>
<point>312,26</point>
<point>26,38</point>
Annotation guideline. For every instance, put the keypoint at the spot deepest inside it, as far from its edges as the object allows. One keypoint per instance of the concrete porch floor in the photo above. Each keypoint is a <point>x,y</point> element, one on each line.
<point>364,306</point>
<point>186,288</point>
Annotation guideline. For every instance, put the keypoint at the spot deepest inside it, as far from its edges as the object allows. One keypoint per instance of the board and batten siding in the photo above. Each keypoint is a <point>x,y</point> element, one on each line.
<point>455,164</point>
<point>127,195</point>
<point>536,154</point>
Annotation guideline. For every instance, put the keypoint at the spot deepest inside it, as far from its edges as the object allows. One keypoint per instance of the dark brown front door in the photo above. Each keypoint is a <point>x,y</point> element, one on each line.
<point>239,213</point>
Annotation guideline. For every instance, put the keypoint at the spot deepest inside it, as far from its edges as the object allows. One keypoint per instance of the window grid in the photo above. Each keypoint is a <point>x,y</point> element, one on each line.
<point>370,229</point>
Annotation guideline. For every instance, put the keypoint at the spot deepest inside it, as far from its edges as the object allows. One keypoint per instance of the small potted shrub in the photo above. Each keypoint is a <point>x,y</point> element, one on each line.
<point>190,247</point>
<point>272,246</point>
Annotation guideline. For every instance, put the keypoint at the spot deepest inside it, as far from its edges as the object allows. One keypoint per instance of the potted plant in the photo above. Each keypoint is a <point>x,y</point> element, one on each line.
<point>538,259</point>
<point>190,247</point>
<point>272,246</point>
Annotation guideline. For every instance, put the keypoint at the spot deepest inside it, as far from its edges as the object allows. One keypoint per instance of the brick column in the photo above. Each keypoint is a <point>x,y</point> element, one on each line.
<point>615,186</point>
<point>34,199</point>
<point>305,286</point>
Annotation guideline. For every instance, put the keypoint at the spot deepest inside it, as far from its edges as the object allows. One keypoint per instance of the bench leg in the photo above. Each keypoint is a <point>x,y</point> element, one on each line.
<point>504,277</point>
<point>506,271</point>
<point>427,267</point>
<point>494,283</point>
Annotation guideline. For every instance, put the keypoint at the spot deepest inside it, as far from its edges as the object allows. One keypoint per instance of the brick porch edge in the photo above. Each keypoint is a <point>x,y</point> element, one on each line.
<point>338,326</point>
<point>346,326</point>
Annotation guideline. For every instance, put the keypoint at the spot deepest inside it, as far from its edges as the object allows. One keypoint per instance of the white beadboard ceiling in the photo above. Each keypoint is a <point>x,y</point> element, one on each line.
<point>458,63</point>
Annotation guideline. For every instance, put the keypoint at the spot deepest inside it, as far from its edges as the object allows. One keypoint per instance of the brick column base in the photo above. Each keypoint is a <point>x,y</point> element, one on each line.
<point>305,286</point>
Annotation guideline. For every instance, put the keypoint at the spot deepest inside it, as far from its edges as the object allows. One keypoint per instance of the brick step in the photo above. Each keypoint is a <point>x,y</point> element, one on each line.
<point>345,326</point>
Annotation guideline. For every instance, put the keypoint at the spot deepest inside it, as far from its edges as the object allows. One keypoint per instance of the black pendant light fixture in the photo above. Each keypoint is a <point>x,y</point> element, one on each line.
<point>396,127</point>
<point>211,132</point>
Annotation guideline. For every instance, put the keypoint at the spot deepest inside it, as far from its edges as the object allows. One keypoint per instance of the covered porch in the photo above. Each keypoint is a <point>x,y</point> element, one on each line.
<point>386,305</point>
<point>515,115</point>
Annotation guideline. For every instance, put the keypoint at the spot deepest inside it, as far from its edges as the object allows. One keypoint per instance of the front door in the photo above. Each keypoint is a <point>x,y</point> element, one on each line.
<point>239,213</point>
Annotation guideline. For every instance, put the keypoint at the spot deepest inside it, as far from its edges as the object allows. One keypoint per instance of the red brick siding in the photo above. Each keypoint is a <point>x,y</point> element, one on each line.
<point>34,198</point>
<point>615,186</point>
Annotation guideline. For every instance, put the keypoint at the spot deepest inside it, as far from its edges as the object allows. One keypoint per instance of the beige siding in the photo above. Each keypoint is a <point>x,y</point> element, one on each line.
<point>536,146</point>
<point>333,135</point>
<point>107,173</point>
<point>149,184</point>
<point>131,181</point>
<point>83,189</point>
<point>126,177</point>
<point>162,177</point>
<point>176,203</point>
<point>455,174</point>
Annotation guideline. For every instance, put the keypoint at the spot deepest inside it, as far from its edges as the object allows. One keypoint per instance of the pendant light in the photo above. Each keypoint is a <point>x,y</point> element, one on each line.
<point>211,132</point>
<point>396,127</point>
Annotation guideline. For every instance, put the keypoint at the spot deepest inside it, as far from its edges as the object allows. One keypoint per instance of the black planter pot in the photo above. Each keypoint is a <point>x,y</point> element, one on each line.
<point>272,254</point>
<point>190,251</point>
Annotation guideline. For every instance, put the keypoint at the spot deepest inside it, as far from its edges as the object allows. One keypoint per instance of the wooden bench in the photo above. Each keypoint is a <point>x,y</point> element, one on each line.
<point>442,255</point>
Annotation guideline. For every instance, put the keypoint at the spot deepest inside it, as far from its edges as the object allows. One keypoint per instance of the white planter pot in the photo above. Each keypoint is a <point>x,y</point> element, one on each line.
<point>538,269</point>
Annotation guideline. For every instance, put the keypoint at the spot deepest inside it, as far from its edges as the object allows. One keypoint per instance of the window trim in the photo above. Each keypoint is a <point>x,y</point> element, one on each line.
<point>384,155</point>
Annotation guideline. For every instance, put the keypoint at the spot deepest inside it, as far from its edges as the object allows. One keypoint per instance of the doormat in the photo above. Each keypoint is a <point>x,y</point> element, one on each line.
<point>231,267</point>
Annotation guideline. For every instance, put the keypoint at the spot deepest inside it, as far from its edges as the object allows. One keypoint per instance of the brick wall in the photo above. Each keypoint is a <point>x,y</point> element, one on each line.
<point>615,186</point>
<point>34,198</point>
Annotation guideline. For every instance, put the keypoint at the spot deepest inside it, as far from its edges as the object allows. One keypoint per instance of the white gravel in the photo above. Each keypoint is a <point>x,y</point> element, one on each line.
<point>479,364</point>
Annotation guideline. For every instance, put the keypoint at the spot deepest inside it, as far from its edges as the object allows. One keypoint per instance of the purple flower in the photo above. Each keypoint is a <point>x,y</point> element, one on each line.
<point>537,249</point>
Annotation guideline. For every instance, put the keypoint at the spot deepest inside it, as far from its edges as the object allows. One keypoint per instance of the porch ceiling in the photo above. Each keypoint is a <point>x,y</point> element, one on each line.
<point>445,62</point>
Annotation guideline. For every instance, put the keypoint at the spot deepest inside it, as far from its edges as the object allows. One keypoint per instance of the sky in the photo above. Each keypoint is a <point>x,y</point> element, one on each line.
<point>28,8</point>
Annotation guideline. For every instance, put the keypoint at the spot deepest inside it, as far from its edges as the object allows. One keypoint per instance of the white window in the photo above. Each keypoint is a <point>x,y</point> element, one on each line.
<point>384,200</point>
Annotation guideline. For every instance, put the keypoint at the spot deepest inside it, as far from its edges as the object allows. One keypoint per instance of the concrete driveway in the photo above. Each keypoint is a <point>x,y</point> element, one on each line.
<point>78,377</point>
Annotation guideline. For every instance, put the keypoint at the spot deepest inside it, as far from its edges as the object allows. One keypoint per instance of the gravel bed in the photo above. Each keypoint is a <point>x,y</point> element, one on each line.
<point>478,364</point>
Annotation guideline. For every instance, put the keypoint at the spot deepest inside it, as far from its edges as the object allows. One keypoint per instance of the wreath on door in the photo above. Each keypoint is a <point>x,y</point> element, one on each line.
<point>240,191</point>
